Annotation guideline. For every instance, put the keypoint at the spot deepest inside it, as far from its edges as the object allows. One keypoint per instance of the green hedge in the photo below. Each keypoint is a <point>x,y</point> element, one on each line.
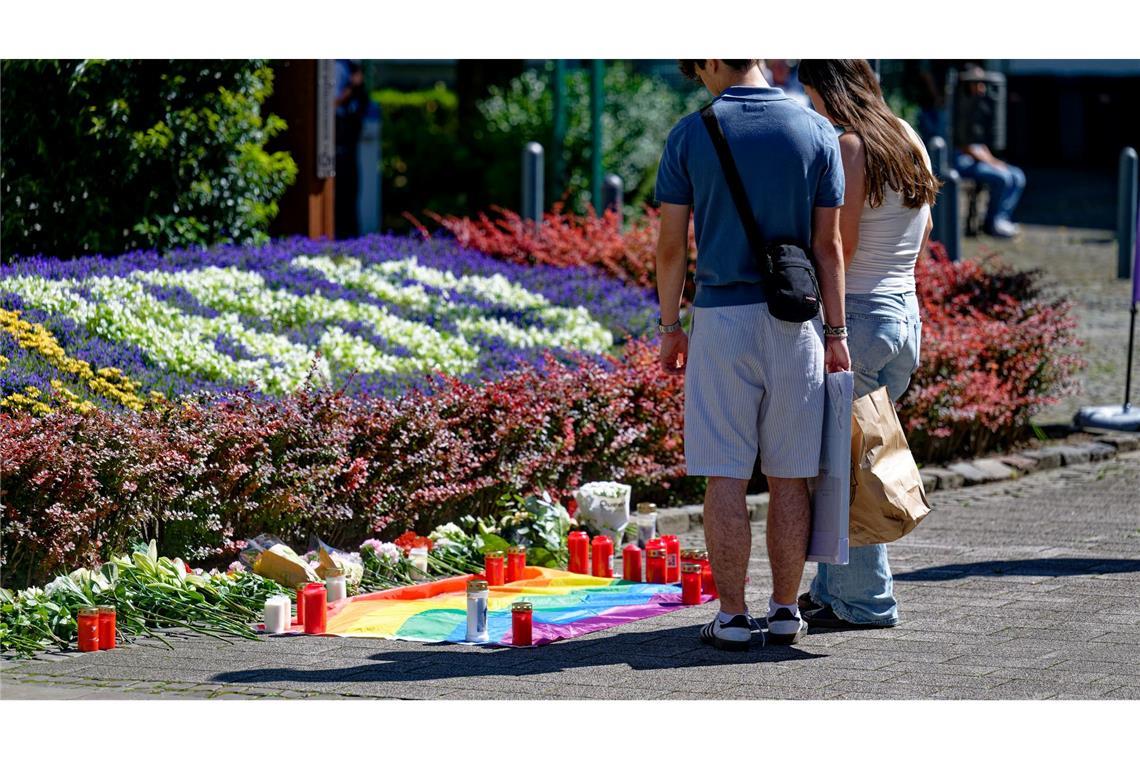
<point>431,161</point>
<point>109,156</point>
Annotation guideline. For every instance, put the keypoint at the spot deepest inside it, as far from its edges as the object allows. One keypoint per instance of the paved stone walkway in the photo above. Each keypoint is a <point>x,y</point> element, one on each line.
<point>1022,589</point>
<point>1079,264</point>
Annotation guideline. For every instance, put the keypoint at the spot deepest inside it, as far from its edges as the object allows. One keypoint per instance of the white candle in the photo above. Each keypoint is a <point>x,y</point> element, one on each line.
<point>335,586</point>
<point>419,557</point>
<point>276,614</point>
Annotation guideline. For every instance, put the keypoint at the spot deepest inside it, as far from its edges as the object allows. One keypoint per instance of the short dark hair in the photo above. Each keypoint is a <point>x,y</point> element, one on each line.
<point>689,66</point>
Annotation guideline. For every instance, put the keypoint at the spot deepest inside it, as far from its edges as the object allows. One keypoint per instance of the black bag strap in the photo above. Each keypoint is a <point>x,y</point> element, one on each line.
<point>736,187</point>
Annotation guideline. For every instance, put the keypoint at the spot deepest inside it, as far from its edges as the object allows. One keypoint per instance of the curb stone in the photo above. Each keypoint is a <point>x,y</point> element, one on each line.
<point>1019,462</point>
<point>1121,441</point>
<point>947,479</point>
<point>956,475</point>
<point>1047,458</point>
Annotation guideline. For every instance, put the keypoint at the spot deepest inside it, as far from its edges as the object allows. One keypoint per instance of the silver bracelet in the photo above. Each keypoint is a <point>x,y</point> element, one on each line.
<point>835,332</point>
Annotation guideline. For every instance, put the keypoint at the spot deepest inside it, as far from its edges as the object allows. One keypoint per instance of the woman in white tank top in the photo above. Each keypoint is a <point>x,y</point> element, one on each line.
<point>885,223</point>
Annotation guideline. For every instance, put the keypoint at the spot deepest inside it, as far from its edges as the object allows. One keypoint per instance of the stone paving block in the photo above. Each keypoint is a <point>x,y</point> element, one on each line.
<point>929,480</point>
<point>1121,441</point>
<point>1048,457</point>
<point>1098,451</point>
<point>1021,463</point>
<point>995,468</point>
<point>975,474</point>
<point>947,479</point>
<point>1075,454</point>
<point>675,520</point>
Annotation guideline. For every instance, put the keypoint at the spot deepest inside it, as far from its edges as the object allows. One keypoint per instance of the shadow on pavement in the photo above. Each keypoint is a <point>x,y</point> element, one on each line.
<point>651,650</point>
<point>1046,567</point>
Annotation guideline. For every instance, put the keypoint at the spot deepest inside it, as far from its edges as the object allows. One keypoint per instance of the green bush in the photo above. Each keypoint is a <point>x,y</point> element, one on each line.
<point>432,162</point>
<point>639,112</point>
<point>109,156</point>
<point>422,162</point>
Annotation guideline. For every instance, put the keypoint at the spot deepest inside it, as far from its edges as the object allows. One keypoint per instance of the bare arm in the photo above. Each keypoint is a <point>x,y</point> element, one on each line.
<point>827,248</point>
<point>672,259</point>
<point>854,193</point>
<point>926,234</point>
<point>672,268</point>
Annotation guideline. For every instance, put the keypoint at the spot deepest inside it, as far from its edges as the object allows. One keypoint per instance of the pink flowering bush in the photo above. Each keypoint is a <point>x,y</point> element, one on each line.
<point>995,352</point>
<point>199,477</point>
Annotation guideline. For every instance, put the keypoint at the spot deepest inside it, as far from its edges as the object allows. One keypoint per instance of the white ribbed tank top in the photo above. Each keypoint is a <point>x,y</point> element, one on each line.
<point>889,240</point>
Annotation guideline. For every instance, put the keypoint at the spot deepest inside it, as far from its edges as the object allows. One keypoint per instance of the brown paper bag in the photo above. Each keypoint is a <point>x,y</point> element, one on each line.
<point>887,499</point>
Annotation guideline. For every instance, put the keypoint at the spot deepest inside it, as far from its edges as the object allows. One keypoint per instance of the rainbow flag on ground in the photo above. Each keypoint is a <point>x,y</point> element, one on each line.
<point>565,605</point>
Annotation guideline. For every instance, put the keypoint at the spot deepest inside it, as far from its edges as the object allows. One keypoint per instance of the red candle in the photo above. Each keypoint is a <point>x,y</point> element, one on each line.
<point>708,584</point>
<point>631,563</point>
<point>301,603</point>
<point>691,583</point>
<point>672,558</point>
<point>655,565</point>
<point>493,568</point>
<point>579,545</point>
<point>522,624</point>
<point>106,627</point>
<point>316,608</point>
<point>516,562</point>
<point>602,550</point>
<point>88,620</point>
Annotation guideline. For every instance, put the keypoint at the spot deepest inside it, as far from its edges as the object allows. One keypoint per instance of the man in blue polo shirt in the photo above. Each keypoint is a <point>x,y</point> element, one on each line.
<point>753,383</point>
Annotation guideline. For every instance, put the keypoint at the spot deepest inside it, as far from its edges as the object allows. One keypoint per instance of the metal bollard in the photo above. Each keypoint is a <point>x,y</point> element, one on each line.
<point>1126,211</point>
<point>532,182</point>
<point>613,194</point>
<point>952,214</point>
<point>937,150</point>
<point>368,166</point>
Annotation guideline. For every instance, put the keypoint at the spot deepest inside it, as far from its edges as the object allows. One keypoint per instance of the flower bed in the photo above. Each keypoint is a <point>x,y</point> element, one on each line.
<point>201,476</point>
<point>378,313</point>
<point>568,240</point>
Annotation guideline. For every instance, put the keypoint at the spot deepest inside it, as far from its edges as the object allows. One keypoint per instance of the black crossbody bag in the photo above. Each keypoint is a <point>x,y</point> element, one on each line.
<point>789,283</point>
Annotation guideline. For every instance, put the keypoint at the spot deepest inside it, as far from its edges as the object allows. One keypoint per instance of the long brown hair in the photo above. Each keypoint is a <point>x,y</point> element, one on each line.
<point>851,93</point>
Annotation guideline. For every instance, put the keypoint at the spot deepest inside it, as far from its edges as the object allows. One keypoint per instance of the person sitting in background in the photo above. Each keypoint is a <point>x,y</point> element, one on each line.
<point>781,73</point>
<point>973,160</point>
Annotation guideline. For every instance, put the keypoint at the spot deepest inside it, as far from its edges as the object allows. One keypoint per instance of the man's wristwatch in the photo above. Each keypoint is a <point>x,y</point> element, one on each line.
<point>666,329</point>
<point>835,332</point>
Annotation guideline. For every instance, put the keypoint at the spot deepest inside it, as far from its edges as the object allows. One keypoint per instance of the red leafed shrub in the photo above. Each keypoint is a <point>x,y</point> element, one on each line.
<point>995,351</point>
<point>200,477</point>
<point>568,240</point>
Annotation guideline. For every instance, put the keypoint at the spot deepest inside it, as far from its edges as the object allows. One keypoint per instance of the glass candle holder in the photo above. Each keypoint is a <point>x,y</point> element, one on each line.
<point>522,624</point>
<point>494,568</point>
<point>88,621</point>
<point>516,563</point>
<point>107,633</point>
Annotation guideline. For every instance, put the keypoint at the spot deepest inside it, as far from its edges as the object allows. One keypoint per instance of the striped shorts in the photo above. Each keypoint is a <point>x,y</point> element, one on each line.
<point>753,383</point>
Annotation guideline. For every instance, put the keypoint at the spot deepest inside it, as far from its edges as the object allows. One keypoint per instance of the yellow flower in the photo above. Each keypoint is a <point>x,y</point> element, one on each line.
<point>108,382</point>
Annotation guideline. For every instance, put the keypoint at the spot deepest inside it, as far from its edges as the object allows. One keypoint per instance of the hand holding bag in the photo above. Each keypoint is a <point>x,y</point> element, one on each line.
<point>790,284</point>
<point>888,500</point>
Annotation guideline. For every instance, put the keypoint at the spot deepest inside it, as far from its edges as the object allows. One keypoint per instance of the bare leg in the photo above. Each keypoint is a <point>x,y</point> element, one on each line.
<point>789,526</point>
<point>729,538</point>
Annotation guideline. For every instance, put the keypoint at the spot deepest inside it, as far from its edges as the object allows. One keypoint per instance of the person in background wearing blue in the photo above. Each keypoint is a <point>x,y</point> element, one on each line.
<point>1006,182</point>
<point>885,224</point>
<point>351,103</point>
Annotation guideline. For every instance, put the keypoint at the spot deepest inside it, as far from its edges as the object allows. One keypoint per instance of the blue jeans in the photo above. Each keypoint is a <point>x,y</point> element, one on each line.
<point>1005,186</point>
<point>884,337</point>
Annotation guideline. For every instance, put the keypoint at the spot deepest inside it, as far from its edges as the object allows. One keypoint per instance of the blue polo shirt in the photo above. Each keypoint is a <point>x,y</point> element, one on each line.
<point>788,158</point>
